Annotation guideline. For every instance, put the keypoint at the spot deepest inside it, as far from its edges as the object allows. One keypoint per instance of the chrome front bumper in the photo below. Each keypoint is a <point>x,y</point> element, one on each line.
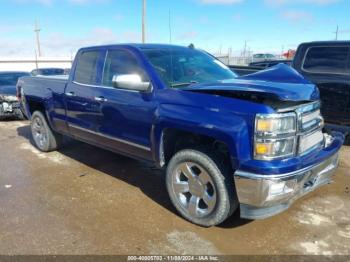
<point>262,196</point>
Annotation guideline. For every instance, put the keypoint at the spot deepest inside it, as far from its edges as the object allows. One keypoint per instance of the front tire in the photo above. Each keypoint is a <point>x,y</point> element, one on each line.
<point>200,187</point>
<point>44,137</point>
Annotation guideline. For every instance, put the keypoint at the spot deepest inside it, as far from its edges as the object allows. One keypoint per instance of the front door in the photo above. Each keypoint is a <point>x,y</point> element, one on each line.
<point>125,117</point>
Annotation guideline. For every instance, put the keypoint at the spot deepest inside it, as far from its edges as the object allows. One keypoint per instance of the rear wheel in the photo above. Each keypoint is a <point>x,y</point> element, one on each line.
<point>44,137</point>
<point>200,188</point>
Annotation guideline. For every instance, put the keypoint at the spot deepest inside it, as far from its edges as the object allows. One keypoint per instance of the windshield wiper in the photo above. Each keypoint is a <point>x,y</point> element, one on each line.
<point>183,84</point>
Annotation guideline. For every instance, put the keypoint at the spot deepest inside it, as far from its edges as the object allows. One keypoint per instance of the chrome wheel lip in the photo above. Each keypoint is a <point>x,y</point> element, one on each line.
<point>39,132</point>
<point>197,196</point>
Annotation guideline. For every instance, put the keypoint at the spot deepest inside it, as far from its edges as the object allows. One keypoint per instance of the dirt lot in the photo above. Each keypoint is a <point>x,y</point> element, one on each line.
<point>84,200</point>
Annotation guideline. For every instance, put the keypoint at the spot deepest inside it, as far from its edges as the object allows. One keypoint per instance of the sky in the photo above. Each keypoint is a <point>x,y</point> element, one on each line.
<point>214,25</point>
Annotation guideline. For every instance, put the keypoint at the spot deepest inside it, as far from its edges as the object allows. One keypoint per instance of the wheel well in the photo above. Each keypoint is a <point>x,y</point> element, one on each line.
<point>35,106</point>
<point>175,140</point>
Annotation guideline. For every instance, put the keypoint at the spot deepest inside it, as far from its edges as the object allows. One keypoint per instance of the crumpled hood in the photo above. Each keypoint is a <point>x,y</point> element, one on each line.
<point>281,82</point>
<point>8,90</point>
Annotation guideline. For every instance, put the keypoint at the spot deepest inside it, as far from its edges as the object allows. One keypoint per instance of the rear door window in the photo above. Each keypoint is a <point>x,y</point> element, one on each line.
<point>86,69</point>
<point>326,59</point>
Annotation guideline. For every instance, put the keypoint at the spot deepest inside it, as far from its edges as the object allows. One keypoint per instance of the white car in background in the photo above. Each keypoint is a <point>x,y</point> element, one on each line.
<point>263,57</point>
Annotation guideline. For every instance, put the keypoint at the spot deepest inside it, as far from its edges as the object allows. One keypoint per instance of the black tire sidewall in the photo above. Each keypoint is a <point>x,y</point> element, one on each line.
<point>226,203</point>
<point>51,143</point>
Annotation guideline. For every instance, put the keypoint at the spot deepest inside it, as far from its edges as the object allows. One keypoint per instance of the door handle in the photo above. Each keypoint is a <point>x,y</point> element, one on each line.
<point>70,94</point>
<point>100,99</point>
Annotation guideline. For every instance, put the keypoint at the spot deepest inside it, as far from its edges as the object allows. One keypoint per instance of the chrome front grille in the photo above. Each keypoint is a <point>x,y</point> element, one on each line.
<point>310,141</point>
<point>310,124</point>
<point>309,117</point>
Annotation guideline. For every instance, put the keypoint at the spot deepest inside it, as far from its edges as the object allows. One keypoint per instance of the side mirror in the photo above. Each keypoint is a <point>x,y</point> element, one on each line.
<point>130,81</point>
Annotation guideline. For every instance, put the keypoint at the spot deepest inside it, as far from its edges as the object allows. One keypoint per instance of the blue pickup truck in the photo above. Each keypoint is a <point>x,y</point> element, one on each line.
<point>255,143</point>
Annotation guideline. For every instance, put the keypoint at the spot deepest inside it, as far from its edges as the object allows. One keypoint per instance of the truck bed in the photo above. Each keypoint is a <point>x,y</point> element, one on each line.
<point>44,86</point>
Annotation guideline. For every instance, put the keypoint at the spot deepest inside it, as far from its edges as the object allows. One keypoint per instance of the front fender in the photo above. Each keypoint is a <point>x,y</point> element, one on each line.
<point>231,129</point>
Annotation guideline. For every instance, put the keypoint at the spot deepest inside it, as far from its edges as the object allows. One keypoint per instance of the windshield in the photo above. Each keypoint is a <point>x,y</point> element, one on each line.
<point>10,79</point>
<point>182,67</point>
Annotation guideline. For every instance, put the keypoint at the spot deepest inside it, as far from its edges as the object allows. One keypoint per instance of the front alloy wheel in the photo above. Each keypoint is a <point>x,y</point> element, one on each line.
<point>200,187</point>
<point>194,189</point>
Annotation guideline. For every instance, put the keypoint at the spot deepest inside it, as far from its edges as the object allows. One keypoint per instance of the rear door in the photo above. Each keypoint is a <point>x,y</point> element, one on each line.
<point>328,68</point>
<point>82,108</point>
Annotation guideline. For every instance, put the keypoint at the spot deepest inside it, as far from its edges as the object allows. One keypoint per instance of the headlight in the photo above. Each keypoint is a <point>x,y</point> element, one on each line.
<point>274,136</point>
<point>276,124</point>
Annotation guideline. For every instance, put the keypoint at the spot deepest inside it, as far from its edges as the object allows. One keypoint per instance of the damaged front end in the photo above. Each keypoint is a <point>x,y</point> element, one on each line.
<point>279,87</point>
<point>10,107</point>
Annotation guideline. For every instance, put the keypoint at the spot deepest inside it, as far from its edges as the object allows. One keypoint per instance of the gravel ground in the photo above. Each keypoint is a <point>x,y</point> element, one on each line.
<point>85,200</point>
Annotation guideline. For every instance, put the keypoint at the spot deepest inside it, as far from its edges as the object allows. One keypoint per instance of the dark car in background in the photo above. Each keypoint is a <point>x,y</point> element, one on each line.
<point>327,64</point>
<point>48,71</point>
<point>9,104</point>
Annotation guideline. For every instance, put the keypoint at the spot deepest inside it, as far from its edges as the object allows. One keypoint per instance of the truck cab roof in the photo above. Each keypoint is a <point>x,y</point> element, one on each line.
<point>327,43</point>
<point>138,46</point>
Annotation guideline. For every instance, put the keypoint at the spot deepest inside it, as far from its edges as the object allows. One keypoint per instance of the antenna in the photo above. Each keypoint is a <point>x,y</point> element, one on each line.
<point>245,48</point>
<point>170,33</point>
<point>143,21</point>
<point>336,33</point>
<point>36,59</point>
<point>37,33</point>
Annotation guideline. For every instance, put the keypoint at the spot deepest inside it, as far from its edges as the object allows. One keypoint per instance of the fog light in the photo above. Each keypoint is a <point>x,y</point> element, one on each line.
<point>276,188</point>
<point>283,187</point>
<point>263,148</point>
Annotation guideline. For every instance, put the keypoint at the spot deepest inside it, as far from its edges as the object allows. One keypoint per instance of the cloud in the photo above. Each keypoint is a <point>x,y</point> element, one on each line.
<point>276,2</point>
<point>51,2</point>
<point>344,31</point>
<point>97,36</point>
<point>286,2</point>
<point>188,35</point>
<point>16,47</point>
<point>7,28</point>
<point>83,2</point>
<point>220,2</point>
<point>42,2</point>
<point>322,2</point>
<point>118,17</point>
<point>59,44</point>
<point>237,17</point>
<point>295,16</point>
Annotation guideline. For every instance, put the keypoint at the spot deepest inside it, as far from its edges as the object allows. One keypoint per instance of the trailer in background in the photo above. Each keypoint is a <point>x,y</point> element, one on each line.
<point>28,64</point>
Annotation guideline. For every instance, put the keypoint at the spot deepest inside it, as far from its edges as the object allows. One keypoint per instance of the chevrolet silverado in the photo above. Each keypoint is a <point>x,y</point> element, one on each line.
<point>255,143</point>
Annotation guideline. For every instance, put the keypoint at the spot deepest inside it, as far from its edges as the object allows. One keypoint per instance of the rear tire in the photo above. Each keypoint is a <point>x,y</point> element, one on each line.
<point>200,187</point>
<point>44,137</point>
